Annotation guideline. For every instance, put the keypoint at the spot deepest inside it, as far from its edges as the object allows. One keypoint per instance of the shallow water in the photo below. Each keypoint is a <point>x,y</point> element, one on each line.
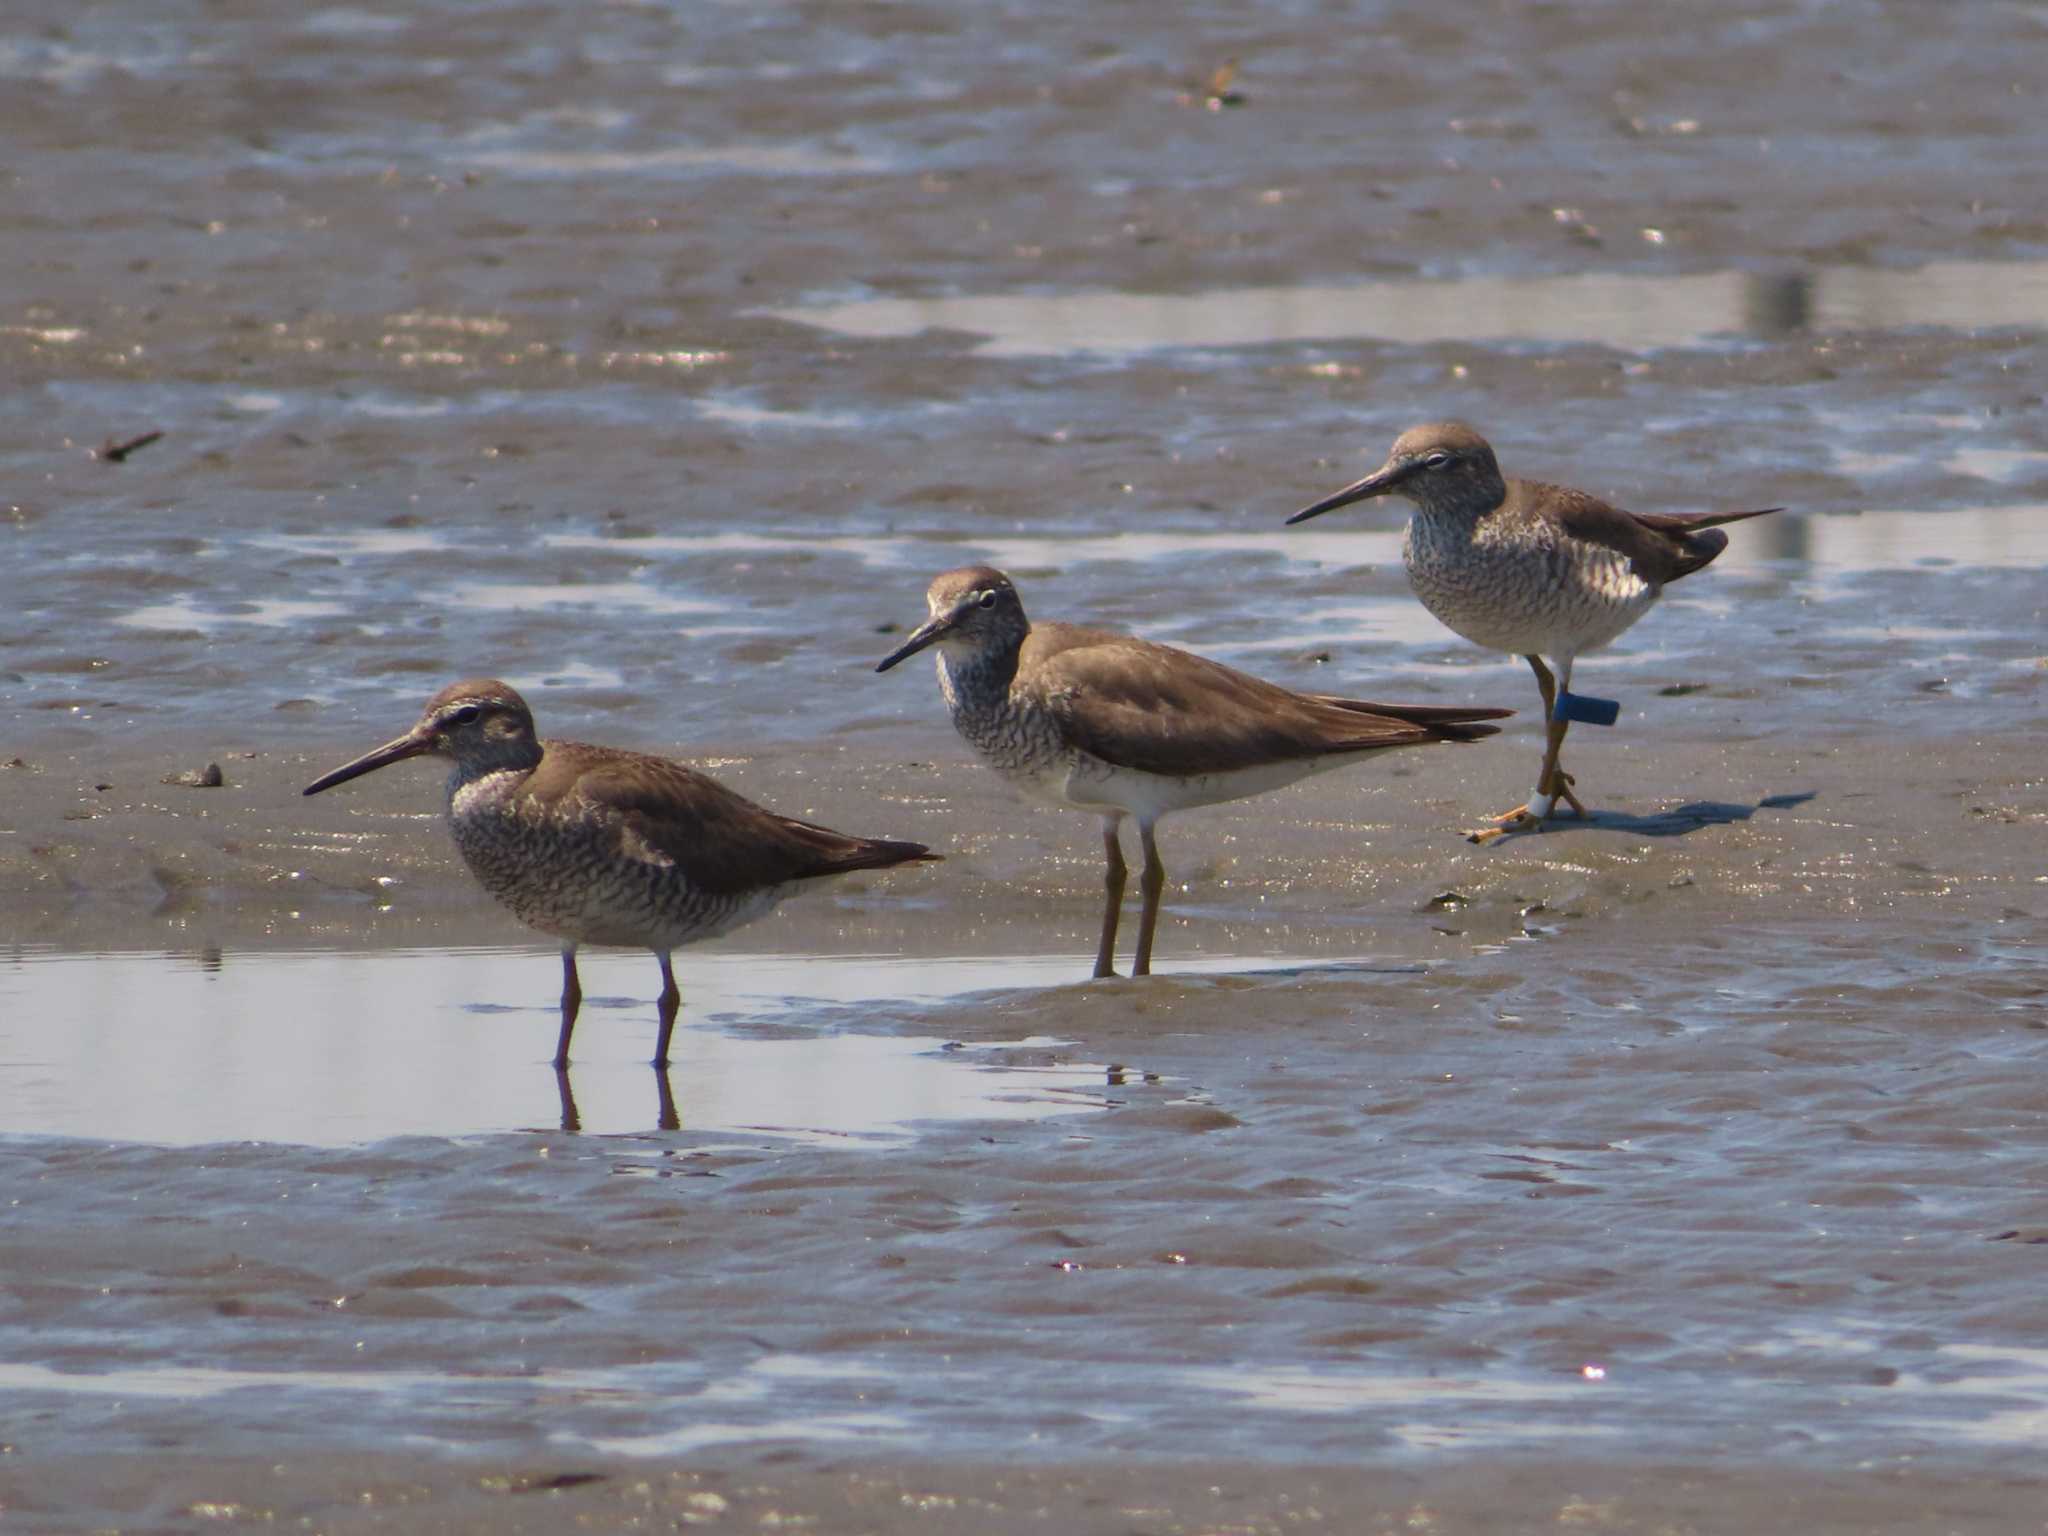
<point>1631,312</point>
<point>346,1048</point>
<point>654,357</point>
<point>1773,1202</point>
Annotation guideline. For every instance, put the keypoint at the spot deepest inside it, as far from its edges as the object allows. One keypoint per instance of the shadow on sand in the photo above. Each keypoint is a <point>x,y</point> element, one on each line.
<point>1675,822</point>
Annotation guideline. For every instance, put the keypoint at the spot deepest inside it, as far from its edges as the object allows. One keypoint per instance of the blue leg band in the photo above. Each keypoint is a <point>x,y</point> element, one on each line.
<point>1576,706</point>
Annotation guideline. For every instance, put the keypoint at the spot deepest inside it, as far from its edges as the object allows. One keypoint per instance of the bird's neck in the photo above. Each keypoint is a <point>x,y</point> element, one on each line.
<point>496,772</point>
<point>979,679</point>
<point>1450,518</point>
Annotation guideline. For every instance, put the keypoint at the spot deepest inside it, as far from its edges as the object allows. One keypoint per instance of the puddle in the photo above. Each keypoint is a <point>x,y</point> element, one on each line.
<point>753,1404</point>
<point>1634,313</point>
<point>1830,544</point>
<point>69,67</point>
<point>2001,1399</point>
<point>370,543</point>
<point>1307,1390</point>
<point>569,674</point>
<point>1844,542</point>
<point>1979,1394</point>
<point>735,412</point>
<point>751,159</point>
<point>1312,1390</point>
<point>1893,539</point>
<point>764,1400</point>
<point>613,596</point>
<point>1336,545</point>
<point>2003,465</point>
<point>273,613</point>
<point>341,1048</point>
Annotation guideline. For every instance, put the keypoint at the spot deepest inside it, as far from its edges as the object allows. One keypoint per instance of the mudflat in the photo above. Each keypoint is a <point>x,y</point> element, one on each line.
<point>1677,1171</point>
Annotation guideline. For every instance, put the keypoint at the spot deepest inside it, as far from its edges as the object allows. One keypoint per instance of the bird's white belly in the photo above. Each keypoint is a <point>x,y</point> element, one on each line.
<point>1087,783</point>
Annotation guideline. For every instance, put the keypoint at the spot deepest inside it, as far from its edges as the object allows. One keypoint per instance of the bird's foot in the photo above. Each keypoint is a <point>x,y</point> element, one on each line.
<point>1564,792</point>
<point>1517,820</point>
<point>1532,813</point>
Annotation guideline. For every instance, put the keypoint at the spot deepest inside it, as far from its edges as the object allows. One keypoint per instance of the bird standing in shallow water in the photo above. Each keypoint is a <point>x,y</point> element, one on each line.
<point>1539,570</point>
<point>1097,721</point>
<point>598,845</point>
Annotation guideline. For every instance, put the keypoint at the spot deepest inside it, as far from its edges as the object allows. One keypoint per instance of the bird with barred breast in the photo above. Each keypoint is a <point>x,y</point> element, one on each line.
<point>599,845</point>
<point>1096,721</point>
<point>1542,571</point>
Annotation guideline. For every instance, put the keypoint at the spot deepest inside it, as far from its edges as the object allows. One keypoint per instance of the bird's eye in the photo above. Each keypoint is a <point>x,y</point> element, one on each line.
<point>988,598</point>
<point>467,715</point>
<point>1436,461</point>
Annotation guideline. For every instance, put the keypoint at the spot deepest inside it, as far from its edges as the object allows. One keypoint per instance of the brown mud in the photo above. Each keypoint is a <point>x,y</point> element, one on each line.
<point>1678,1172</point>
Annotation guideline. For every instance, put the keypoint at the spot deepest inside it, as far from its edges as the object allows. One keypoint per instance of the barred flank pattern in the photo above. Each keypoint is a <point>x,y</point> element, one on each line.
<point>569,869</point>
<point>1521,584</point>
<point>1014,734</point>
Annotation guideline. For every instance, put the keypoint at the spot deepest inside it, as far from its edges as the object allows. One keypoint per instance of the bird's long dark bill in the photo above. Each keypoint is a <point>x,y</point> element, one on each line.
<point>1378,483</point>
<point>920,637</point>
<point>408,745</point>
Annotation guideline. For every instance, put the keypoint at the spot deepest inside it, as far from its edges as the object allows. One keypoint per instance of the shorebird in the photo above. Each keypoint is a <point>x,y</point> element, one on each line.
<point>1534,569</point>
<point>1097,721</point>
<point>598,845</point>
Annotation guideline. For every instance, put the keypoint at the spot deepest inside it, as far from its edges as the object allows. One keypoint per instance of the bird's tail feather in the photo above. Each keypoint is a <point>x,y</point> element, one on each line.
<point>883,852</point>
<point>1450,722</point>
<point>840,853</point>
<point>1692,522</point>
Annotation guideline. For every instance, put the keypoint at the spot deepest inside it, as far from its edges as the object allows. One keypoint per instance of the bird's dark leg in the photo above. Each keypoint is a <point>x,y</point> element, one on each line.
<point>572,1121</point>
<point>1113,895</point>
<point>1151,881</point>
<point>572,1000</point>
<point>670,1004</point>
<point>665,1111</point>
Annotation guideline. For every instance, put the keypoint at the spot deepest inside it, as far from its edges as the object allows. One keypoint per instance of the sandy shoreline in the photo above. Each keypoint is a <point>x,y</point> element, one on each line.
<point>1681,1172</point>
<point>98,853</point>
<point>1477,1495</point>
<point>1492,1152</point>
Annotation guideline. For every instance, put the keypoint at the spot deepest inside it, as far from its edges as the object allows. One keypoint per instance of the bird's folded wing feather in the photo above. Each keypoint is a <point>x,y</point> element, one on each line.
<point>665,812</point>
<point>1659,546</point>
<point>1658,549</point>
<point>1159,710</point>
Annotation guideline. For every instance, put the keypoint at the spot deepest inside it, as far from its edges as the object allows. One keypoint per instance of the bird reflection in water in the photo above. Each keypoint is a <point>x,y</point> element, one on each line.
<point>666,1117</point>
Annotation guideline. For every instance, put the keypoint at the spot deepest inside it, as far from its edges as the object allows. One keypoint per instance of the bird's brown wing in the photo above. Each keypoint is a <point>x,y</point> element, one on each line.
<point>1451,722</point>
<point>1660,546</point>
<point>663,812</point>
<point>1165,711</point>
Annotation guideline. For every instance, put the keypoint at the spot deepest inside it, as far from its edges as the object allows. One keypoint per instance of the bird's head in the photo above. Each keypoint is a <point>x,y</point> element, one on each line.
<point>480,725</point>
<point>972,609</point>
<point>1442,467</point>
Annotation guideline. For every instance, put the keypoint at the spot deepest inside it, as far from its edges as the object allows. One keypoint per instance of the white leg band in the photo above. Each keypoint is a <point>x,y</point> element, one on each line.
<point>1539,805</point>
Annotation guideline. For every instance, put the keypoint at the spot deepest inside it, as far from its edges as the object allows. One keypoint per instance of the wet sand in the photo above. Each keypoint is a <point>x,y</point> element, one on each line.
<point>1677,1172</point>
<point>390,1492</point>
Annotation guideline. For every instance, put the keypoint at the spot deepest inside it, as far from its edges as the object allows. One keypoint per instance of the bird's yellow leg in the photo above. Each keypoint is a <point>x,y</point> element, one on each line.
<point>1552,782</point>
